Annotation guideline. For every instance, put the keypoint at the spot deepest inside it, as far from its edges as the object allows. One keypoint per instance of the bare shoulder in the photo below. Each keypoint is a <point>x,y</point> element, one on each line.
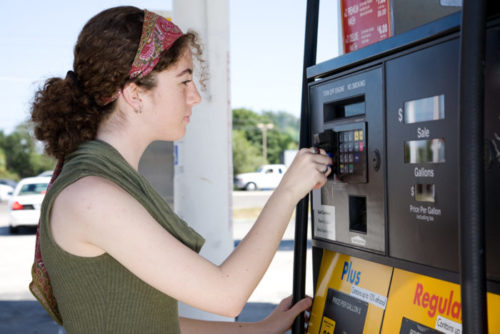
<point>86,208</point>
<point>91,191</point>
<point>89,197</point>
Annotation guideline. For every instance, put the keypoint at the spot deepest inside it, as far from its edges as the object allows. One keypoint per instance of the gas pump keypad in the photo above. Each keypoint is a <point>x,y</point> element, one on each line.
<point>350,148</point>
<point>351,161</point>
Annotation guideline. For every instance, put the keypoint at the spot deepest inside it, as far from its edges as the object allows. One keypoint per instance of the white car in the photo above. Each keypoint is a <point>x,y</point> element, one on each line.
<point>47,173</point>
<point>5,192</point>
<point>25,203</point>
<point>266,177</point>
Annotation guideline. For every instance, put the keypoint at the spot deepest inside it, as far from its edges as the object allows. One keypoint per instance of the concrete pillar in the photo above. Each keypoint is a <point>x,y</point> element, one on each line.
<point>203,158</point>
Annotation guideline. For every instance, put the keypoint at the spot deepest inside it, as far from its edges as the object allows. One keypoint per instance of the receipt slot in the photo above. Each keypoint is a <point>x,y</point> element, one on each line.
<point>385,226</point>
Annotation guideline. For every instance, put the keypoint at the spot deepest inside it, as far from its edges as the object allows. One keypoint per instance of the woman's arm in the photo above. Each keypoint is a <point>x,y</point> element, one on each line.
<point>93,216</point>
<point>279,321</point>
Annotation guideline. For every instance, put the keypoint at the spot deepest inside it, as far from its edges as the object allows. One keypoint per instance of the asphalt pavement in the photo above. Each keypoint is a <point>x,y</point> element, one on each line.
<point>20,313</point>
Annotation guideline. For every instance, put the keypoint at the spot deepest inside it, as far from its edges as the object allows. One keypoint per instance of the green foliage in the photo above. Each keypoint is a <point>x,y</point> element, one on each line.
<point>246,157</point>
<point>247,138</point>
<point>20,154</point>
<point>4,173</point>
<point>3,161</point>
<point>286,122</point>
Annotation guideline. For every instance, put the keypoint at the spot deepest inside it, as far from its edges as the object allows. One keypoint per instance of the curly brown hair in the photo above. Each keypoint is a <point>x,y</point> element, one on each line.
<point>64,111</point>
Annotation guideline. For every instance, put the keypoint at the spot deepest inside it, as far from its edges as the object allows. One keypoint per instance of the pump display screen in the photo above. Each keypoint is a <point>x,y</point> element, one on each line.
<point>354,109</point>
<point>343,109</point>
<point>424,151</point>
<point>425,192</point>
<point>426,109</point>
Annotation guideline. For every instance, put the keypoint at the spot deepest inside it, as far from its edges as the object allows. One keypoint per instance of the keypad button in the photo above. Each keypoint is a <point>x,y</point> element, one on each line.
<point>351,147</point>
<point>356,147</point>
<point>341,138</point>
<point>356,157</point>
<point>361,146</point>
<point>356,135</point>
<point>351,136</point>
<point>346,136</point>
<point>351,157</point>
<point>342,158</point>
<point>361,135</point>
<point>351,169</point>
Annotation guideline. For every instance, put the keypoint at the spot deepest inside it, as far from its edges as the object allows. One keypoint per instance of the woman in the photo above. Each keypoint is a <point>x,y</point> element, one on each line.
<point>117,256</point>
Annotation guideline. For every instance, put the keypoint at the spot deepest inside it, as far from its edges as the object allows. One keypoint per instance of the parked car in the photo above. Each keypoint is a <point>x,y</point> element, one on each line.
<point>47,173</point>
<point>266,177</point>
<point>5,192</point>
<point>25,203</point>
<point>8,182</point>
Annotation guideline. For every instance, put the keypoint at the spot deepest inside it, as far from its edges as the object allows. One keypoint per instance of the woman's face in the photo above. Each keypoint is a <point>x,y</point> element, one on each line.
<point>167,107</point>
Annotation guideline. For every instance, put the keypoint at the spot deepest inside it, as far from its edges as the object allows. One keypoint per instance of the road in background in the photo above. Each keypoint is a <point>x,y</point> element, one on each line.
<point>20,313</point>
<point>250,199</point>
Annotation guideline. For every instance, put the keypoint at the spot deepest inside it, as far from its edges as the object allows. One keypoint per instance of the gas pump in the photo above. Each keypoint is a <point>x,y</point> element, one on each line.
<point>387,256</point>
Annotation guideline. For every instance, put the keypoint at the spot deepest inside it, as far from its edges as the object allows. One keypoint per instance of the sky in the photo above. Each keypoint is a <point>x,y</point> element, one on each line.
<point>266,49</point>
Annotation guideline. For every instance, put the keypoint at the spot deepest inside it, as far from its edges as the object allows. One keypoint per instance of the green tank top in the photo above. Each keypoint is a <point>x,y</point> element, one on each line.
<point>98,294</point>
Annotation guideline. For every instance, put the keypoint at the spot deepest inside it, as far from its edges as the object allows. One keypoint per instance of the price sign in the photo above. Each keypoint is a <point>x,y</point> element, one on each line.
<point>365,22</point>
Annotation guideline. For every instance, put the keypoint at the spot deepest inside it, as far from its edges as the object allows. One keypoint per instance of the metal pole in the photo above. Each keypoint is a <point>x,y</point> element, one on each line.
<point>264,127</point>
<point>472,243</point>
<point>301,213</point>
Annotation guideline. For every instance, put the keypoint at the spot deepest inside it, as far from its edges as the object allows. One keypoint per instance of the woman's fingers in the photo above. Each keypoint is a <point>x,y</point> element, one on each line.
<point>324,161</point>
<point>309,170</point>
<point>301,306</point>
<point>324,165</point>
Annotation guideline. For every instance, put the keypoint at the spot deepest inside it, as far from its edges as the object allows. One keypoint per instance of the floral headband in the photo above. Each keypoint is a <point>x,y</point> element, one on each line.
<point>158,35</point>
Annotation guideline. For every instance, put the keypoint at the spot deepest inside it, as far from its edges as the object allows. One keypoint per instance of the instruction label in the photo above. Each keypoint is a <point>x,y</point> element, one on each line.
<point>347,313</point>
<point>426,213</point>
<point>369,296</point>
<point>324,222</point>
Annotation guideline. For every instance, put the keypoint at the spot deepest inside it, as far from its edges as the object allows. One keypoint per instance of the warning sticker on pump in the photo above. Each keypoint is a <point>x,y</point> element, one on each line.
<point>346,313</point>
<point>327,326</point>
<point>411,327</point>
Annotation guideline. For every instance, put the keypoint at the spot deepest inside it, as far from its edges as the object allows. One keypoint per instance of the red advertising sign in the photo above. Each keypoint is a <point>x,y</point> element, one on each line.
<point>365,22</point>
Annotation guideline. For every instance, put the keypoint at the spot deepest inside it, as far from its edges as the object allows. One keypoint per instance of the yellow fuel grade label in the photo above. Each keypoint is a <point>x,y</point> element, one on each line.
<point>351,295</point>
<point>422,304</point>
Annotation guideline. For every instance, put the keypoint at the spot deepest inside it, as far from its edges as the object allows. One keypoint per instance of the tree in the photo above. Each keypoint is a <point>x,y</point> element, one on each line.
<point>21,155</point>
<point>246,157</point>
<point>286,122</point>
<point>283,136</point>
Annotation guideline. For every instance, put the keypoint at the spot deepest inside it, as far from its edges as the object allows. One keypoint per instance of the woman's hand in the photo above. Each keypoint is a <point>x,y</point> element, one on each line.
<point>309,170</point>
<point>281,319</point>
<point>278,322</point>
